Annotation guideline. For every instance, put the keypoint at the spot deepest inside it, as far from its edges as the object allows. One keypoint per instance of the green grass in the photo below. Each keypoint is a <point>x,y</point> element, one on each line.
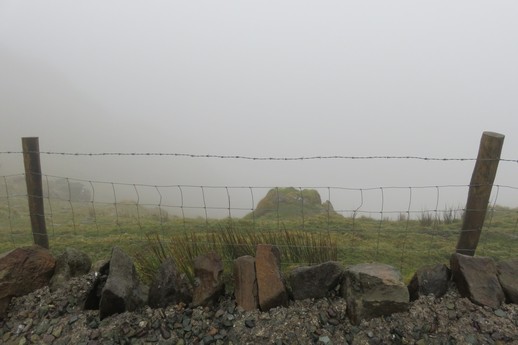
<point>148,232</point>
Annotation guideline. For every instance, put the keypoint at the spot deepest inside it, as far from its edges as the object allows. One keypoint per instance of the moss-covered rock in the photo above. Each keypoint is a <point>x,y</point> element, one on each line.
<point>291,202</point>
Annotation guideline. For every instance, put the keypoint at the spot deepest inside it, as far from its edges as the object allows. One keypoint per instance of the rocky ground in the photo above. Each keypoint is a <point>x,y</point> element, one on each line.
<point>45,317</point>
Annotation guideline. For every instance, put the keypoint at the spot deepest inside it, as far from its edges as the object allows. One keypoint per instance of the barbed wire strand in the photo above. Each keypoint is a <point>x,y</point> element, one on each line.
<point>255,158</point>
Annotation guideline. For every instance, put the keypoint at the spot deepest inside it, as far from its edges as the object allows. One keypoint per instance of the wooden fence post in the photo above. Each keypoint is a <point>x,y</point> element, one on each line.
<point>33,179</point>
<point>479,191</point>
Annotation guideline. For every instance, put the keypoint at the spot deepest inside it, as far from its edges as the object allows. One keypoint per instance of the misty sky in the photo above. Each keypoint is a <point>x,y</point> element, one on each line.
<point>260,78</point>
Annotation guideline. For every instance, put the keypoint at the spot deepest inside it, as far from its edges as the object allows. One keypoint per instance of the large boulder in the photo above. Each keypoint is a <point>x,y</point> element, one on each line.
<point>22,271</point>
<point>508,277</point>
<point>71,263</point>
<point>476,278</point>
<point>291,202</point>
<point>245,283</point>
<point>169,287</point>
<point>373,290</point>
<point>270,283</point>
<point>429,280</point>
<point>208,285</point>
<point>315,281</point>
<point>123,290</point>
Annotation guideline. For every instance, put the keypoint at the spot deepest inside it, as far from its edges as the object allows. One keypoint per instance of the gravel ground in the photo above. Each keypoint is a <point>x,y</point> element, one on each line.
<point>43,317</point>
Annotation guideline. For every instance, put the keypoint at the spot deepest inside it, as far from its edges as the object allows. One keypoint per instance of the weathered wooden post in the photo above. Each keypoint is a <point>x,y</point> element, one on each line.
<point>33,179</point>
<point>479,191</point>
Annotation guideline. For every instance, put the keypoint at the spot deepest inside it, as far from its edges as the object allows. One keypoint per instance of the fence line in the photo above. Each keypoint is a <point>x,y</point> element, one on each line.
<point>183,204</point>
<point>256,158</point>
<point>387,223</point>
<point>104,206</point>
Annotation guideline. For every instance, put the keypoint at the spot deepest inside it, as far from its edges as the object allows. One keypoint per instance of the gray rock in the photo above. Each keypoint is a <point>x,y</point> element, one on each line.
<point>209,286</point>
<point>315,281</point>
<point>476,278</point>
<point>245,283</point>
<point>508,277</point>
<point>93,295</point>
<point>169,287</point>
<point>122,291</point>
<point>270,283</point>
<point>429,280</point>
<point>71,263</point>
<point>373,290</point>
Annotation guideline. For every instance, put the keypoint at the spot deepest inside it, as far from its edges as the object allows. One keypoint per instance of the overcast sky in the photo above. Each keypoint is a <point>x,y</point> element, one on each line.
<point>260,78</point>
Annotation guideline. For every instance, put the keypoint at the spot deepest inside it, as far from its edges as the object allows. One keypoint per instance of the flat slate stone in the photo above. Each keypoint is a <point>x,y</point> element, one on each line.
<point>169,286</point>
<point>122,291</point>
<point>507,271</point>
<point>373,290</point>
<point>429,280</point>
<point>476,278</point>
<point>209,286</point>
<point>315,281</point>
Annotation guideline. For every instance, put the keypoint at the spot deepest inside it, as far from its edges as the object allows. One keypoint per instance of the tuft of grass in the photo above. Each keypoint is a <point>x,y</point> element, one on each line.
<point>230,242</point>
<point>426,219</point>
<point>450,215</point>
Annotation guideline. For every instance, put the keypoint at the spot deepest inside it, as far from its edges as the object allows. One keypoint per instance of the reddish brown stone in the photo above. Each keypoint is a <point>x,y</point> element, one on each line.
<point>22,271</point>
<point>245,282</point>
<point>208,283</point>
<point>271,288</point>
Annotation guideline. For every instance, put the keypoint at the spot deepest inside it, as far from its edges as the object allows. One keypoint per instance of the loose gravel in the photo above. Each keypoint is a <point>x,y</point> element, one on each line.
<point>45,317</point>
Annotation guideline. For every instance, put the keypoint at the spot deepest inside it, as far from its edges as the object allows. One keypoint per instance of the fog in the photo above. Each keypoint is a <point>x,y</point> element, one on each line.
<point>262,79</point>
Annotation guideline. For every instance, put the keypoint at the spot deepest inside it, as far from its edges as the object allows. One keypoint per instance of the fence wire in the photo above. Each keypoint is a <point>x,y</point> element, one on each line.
<point>400,225</point>
<point>257,158</point>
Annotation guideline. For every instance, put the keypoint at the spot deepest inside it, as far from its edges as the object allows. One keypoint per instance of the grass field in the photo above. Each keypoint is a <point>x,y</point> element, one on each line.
<point>404,243</point>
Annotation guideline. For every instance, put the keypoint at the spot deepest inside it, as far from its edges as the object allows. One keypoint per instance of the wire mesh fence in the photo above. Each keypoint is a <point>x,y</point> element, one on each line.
<point>406,226</point>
